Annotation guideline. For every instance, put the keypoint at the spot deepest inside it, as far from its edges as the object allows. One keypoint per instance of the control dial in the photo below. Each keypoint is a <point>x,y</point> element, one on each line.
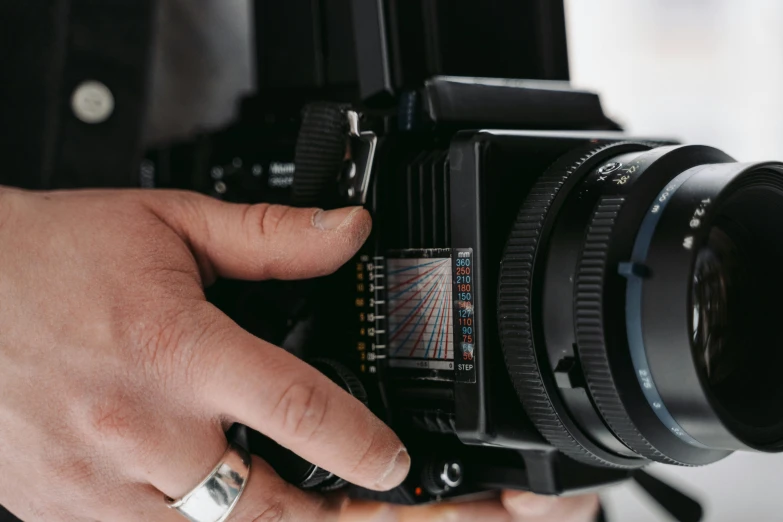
<point>441,475</point>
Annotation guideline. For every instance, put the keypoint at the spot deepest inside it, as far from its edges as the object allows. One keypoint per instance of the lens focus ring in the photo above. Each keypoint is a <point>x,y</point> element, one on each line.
<point>590,335</point>
<point>515,295</point>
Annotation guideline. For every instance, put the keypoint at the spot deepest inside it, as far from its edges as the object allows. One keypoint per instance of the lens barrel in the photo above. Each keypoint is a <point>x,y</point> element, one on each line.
<point>705,313</point>
<point>646,306</point>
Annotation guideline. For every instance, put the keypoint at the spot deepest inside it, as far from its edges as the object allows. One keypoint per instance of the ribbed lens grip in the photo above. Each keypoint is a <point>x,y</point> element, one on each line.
<point>590,337</point>
<point>515,319</point>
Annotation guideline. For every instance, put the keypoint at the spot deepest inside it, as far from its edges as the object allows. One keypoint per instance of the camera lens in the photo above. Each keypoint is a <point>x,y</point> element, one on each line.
<point>640,305</point>
<point>717,317</point>
<point>737,334</point>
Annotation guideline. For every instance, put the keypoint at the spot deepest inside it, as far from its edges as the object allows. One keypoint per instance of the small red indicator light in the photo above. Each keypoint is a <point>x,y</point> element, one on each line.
<point>417,491</point>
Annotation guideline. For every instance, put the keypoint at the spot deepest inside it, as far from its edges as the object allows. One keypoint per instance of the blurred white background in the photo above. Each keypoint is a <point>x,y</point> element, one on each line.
<point>708,72</point>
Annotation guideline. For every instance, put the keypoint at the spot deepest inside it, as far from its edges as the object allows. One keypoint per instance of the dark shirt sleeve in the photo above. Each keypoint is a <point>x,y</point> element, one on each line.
<point>30,61</point>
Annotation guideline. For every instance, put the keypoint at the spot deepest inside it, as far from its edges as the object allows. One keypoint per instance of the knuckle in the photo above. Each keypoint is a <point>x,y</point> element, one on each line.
<point>120,426</point>
<point>78,472</point>
<point>301,410</point>
<point>111,419</point>
<point>266,218</point>
<point>116,421</point>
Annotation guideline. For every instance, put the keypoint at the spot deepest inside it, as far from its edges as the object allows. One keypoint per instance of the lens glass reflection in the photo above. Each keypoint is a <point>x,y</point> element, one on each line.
<point>718,277</point>
<point>737,313</point>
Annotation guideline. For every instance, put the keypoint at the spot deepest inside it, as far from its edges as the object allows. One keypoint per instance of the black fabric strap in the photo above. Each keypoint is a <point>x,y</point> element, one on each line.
<point>320,152</point>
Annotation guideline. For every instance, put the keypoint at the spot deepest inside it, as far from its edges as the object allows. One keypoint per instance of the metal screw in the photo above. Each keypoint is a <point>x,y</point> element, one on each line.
<point>217,172</point>
<point>237,163</point>
<point>92,102</point>
<point>220,187</point>
<point>257,170</point>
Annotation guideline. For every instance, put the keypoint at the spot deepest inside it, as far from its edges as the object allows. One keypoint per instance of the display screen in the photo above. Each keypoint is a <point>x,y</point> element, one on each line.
<point>420,312</point>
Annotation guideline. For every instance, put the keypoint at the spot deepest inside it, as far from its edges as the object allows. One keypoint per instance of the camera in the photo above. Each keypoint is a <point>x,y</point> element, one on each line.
<point>545,302</point>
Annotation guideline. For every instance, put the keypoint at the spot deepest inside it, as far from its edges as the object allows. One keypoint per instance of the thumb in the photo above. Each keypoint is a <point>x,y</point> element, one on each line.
<point>262,241</point>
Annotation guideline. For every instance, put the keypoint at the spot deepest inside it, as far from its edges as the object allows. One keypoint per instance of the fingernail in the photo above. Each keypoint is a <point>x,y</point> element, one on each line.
<point>529,504</point>
<point>396,472</point>
<point>331,219</point>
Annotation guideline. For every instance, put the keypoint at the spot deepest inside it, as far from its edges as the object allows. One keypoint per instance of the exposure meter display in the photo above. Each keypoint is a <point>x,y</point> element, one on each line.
<point>430,323</point>
<point>420,312</point>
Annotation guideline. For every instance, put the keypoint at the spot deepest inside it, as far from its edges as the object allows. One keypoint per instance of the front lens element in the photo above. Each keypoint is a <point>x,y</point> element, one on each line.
<point>736,298</point>
<point>717,280</point>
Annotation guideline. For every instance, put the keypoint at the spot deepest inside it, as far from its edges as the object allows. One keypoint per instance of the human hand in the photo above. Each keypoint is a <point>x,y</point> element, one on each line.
<point>513,506</point>
<point>118,379</point>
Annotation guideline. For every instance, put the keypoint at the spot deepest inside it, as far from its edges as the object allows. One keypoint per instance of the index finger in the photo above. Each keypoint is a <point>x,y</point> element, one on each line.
<point>271,391</point>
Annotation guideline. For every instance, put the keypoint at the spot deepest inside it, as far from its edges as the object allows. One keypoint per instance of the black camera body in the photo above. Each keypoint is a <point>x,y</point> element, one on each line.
<point>415,315</point>
<point>411,324</point>
<point>415,318</point>
<point>545,303</point>
<point>535,309</point>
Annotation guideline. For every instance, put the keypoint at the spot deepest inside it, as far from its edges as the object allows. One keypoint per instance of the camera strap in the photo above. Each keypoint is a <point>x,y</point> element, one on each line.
<point>321,150</point>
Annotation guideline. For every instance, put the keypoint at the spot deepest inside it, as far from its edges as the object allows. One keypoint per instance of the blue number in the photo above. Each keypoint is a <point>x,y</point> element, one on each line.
<point>467,279</point>
<point>465,296</point>
<point>463,262</point>
<point>467,330</point>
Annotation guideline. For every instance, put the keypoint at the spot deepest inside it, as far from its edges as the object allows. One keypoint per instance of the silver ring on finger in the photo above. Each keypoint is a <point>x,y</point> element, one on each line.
<point>215,497</point>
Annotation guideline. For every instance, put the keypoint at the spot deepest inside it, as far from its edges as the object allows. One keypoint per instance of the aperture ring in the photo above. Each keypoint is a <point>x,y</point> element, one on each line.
<point>633,310</point>
<point>590,334</point>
